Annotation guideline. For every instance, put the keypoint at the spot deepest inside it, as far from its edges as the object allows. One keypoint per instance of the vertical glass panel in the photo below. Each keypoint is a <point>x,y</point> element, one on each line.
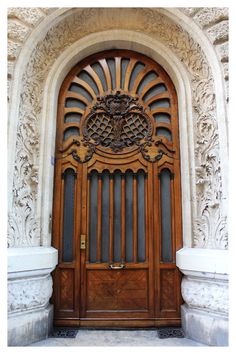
<point>138,67</point>
<point>124,64</point>
<point>166,244</point>
<point>141,216</point>
<point>98,69</point>
<point>93,218</point>
<point>111,65</point>
<point>68,215</point>
<point>129,216</point>
<point>105,216</point>
<point>117,217</point>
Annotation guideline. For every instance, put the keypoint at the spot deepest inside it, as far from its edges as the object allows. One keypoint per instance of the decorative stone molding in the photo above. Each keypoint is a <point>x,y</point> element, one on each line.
<point>209,295</point>
<point>214,22</point>
<point>206,17</point>
<point>209,222</point>
<point>29,294</point>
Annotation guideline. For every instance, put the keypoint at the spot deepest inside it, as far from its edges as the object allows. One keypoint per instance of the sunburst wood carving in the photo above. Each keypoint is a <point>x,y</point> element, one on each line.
<point>118,101</point>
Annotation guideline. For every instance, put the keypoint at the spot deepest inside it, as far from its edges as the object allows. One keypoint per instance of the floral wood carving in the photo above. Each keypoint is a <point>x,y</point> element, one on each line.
<point>207,161</point>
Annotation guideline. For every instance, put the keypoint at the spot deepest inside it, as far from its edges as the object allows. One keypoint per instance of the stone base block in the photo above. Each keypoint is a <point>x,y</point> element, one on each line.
<point>204,327</point>
<point>27,328</point>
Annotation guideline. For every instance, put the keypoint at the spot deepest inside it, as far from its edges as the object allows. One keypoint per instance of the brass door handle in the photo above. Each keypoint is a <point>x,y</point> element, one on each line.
<point>112,266</point>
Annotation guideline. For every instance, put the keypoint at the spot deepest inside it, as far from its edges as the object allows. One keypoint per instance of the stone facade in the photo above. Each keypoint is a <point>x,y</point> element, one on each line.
<point>185,33</point>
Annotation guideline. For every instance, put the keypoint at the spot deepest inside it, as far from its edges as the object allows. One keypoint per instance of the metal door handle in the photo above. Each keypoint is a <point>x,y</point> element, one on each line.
<point>112,266</point>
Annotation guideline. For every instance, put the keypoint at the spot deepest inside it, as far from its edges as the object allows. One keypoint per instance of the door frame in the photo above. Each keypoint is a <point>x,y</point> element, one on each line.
<point>179,244</point>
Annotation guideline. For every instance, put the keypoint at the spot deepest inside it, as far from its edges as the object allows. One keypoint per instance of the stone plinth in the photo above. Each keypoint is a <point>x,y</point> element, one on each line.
<point>30,315</point>
<point>205,293</point>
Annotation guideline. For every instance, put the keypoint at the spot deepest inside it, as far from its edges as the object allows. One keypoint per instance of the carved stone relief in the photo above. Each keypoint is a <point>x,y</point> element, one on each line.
<point>209,224</point>
<point>28,294</point>
<point>205,294</point>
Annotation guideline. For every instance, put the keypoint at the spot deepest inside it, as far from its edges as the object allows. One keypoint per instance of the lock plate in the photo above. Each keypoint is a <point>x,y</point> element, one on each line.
<point>82,242</point>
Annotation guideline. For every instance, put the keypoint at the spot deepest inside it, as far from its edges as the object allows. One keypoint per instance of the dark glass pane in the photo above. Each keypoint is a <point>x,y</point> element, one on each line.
<point>73,117</point>
<point>79,89</point>
<point>87,78</point>
<point>145,81</point>
<point>105,216</point>
<point>164,132</point>
<point>124,64</point>
<point>98,69</point>
<point>72,131</point>
<point>93,218</point>
<point>68,215</point>
<point>117,217</point>
<point>162,118</point>
<point>129,216</point>
<point>155,90</point>
<point>138,67</point>
<point>141,216</point>
<point>164,103</point>
<point>72,102</point>
<point>165,180</point>
<point>111,65</point>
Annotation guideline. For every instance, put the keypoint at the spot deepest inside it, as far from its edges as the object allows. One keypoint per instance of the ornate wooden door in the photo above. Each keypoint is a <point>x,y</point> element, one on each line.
<point>117,208</point>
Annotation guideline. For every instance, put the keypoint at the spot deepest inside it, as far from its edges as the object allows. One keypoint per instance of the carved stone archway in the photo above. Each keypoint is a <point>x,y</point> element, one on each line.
<point>81,32</point>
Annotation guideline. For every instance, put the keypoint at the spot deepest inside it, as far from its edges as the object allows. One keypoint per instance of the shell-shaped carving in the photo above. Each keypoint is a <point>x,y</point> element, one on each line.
<point>106,74</point>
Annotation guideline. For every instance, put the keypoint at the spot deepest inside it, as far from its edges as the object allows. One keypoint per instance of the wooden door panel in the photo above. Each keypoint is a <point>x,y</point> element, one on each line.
<point>67,282</point>
<point>117,183</point>
<point>114,290</point>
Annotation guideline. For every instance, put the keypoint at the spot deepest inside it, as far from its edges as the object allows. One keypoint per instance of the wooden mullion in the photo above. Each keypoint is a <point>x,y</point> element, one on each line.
<point>107,74</point>
<point>128,73</point>
<point>86,86</point>
<point>95,77</point>
<point>118,72</point>
<point>139,77</point>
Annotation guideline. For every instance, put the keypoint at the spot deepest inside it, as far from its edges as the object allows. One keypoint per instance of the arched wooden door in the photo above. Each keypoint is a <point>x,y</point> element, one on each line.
<point>117,208</point>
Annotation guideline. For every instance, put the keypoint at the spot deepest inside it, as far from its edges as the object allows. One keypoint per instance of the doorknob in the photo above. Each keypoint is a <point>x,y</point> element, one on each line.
<point>112,266</point>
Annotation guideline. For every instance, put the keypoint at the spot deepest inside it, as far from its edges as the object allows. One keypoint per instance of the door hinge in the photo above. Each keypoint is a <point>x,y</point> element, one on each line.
<point>82,242</point>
